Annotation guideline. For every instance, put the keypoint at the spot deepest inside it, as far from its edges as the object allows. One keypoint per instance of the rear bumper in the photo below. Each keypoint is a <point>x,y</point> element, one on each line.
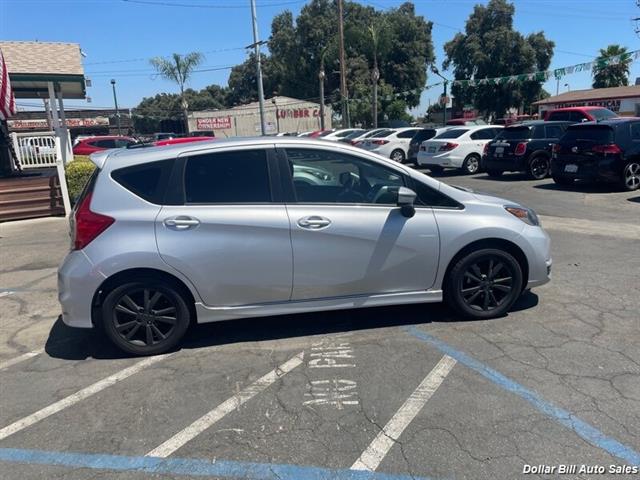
<point>514,164</point>
<point>604,170</point>
<point>440,160</point>
<point>78,280</point>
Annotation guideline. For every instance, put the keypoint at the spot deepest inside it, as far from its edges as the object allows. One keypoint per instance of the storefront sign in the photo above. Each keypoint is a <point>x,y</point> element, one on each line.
<point>298,112</point>
<point>611,104</point>
<point>41,124</point>
<point>213,123</point>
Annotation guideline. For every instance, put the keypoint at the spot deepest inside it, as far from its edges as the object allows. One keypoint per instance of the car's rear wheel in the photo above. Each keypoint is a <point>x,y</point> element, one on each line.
<point>397,155</point>
<point>145,316</point>
<point>560,180</point>
<point>539,167</point>
<point>471,164</point>
<point>484,284</point>
<point>494,173</point>
<point>631,176</point>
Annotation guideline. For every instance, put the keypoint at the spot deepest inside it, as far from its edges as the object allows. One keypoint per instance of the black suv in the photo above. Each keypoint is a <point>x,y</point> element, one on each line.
<point>524,147</point>
<point>608,150</point>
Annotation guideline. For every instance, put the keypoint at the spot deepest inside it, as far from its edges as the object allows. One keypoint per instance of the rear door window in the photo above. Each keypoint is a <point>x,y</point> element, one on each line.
<point>147,181</point>
<point>228,177</point>
<point>453,133</point>
<point>407,134</point>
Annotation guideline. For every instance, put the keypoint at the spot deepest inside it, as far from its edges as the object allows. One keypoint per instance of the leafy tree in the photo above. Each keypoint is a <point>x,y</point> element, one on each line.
<point>490,47</point>
<point>607,74</point>
<point>403,51</point>
<point>243,83</point>
<point>178,68</point>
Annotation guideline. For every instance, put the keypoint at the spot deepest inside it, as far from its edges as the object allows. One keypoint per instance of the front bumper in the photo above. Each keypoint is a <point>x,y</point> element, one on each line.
<point>78,280</point>
<point>538,253</point>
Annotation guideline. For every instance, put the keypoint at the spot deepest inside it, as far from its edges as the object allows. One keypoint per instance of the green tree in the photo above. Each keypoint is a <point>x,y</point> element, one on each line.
<point>243,83</point>
<point>404,49</point>
<point>489,48</point>
<point>608,74</point>
<point>178,68</point>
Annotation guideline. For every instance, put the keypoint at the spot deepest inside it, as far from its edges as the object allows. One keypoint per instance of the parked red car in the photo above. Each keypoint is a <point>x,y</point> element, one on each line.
<point>174,141</point>
<point>96,144</point>
<point>579,114</point>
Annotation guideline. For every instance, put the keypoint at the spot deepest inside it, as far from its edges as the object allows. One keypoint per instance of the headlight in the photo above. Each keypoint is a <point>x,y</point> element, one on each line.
<point>527,215</point>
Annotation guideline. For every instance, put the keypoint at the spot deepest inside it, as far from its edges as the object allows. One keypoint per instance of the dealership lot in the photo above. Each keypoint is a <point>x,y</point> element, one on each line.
<point>404,392</point>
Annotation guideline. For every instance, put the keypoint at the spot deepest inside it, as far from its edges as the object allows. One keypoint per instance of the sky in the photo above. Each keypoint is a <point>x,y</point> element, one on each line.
<point>119,36</point>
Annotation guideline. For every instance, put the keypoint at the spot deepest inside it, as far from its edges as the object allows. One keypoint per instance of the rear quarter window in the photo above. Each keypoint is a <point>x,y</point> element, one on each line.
<point>147,181</point>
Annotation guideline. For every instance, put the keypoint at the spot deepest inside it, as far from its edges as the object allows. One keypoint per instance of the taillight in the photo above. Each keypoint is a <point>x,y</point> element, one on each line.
<point>379,142</point>
<point>521,148</point>
<point>604,149</point>
<point>87,224</point>
<point>447,147</point>
<point>485,151</point>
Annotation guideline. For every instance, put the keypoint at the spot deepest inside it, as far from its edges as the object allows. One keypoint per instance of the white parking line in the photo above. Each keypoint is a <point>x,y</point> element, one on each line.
<point>78,396</point>
<point>228,406</point>
<point>21,358</point>
<point>380,446</point>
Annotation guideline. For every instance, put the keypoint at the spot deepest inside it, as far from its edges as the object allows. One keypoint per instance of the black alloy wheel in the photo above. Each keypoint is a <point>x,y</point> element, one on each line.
<point>631,176</point>
<point>145,318</point>
<point>484,284</point>
<point>539,167</point>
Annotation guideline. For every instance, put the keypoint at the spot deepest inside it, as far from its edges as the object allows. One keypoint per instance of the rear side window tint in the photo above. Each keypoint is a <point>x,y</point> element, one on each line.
<point>453,133</point>
<point>147,181</point>
<point>554,131</point>
<point>515,133</point>
<point>228,177</point>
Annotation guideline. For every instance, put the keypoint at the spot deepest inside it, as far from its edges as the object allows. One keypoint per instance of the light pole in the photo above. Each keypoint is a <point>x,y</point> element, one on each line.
<point>115,100</point>
<point>434,69</point>
<point>375,76</point>
<point>321,80</point>
<point>273,100</point>
<point>568,87</point>
<point>256,45</point>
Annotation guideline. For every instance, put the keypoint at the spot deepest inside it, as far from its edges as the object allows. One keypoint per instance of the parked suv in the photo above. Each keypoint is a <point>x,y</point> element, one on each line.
<point>579,114</point>
<point>604,151</point>
<point>525,147</point>
<point>207,231</point>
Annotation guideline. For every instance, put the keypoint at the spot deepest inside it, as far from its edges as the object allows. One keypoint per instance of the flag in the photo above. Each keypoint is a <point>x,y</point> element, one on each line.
<point>7,101</point>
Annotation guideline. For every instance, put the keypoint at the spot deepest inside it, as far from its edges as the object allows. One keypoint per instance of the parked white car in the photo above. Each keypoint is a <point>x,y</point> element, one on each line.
<point>459,147</point>
<point>336,135</point>
<point>392,143</point>
<point>365,135</point>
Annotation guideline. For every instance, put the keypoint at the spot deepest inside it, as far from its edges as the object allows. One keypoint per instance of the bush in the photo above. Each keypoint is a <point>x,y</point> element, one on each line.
<point>78,173</point>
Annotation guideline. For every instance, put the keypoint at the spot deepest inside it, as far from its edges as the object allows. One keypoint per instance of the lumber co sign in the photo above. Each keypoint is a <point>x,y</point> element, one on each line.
<point>298,112</point>
<point>213,123</point>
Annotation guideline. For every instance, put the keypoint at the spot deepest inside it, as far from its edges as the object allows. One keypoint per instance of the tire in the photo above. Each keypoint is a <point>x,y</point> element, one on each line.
<point>471,164</point>
<point>397,156</point>
<point>436,169</point>
<point>560,180</point>
<point>539,167</point>
<point>631,176</point>
<point>124,314</point>
<point>483,284</point>
<point>494,173</point>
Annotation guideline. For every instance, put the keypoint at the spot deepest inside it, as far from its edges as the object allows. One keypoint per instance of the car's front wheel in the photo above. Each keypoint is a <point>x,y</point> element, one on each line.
<point>483,284</point>
<point>539,167</point>
<point>145,316</point>
<point>471,164</point>
<point>397,156</point>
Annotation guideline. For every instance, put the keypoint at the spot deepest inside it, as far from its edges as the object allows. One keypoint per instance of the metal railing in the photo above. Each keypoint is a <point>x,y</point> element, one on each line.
<point>36,149</point>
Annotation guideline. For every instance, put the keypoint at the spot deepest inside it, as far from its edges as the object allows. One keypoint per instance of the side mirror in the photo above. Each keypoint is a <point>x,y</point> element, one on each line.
<point>406,199</point>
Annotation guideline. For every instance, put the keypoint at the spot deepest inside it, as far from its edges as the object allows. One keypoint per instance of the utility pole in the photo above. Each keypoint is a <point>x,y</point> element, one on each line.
<point>343,77</point>
<point>256,45</point>
<point>321,80</point>
<point>115,101</point>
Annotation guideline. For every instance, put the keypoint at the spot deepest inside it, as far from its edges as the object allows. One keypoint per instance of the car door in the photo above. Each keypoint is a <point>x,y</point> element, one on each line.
<point>349,237</point>
<point>228,232</point>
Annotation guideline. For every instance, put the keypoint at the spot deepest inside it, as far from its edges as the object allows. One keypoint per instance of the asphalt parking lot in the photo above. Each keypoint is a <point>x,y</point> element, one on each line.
<point>380,393</point>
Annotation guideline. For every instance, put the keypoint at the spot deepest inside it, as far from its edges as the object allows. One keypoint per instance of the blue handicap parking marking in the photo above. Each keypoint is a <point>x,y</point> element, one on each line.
<point>583,429</point>
<point>191,467</point>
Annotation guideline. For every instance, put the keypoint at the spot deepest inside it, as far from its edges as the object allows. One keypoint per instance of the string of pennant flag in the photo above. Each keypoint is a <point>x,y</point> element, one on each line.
<point>541,76</point>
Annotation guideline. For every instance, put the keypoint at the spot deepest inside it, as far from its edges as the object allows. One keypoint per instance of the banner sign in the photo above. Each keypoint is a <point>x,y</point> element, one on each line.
<point>213,123</point>
<point>41,124</point>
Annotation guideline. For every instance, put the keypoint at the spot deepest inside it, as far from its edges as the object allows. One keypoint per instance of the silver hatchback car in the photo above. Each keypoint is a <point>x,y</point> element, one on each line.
<point>208,231</point>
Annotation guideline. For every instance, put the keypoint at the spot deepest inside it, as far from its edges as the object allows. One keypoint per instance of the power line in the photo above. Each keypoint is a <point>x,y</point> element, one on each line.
<point>193,5</point>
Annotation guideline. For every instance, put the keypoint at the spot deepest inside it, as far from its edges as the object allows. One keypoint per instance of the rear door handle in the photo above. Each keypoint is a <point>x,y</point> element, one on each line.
<point>181,222</point>
<point>314,222</point>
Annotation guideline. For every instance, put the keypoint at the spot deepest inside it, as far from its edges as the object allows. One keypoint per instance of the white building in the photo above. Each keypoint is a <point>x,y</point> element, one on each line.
<point>282,114</point>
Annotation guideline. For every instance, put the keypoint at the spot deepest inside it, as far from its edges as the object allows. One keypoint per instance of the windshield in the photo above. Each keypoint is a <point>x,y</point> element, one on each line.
<point>602,114</point>
<point>515,133</point>
<point>453,133</point>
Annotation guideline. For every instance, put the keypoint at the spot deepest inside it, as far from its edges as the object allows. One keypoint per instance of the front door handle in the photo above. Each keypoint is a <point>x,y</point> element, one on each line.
<point>181,222</point>
<point>314,222</point>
